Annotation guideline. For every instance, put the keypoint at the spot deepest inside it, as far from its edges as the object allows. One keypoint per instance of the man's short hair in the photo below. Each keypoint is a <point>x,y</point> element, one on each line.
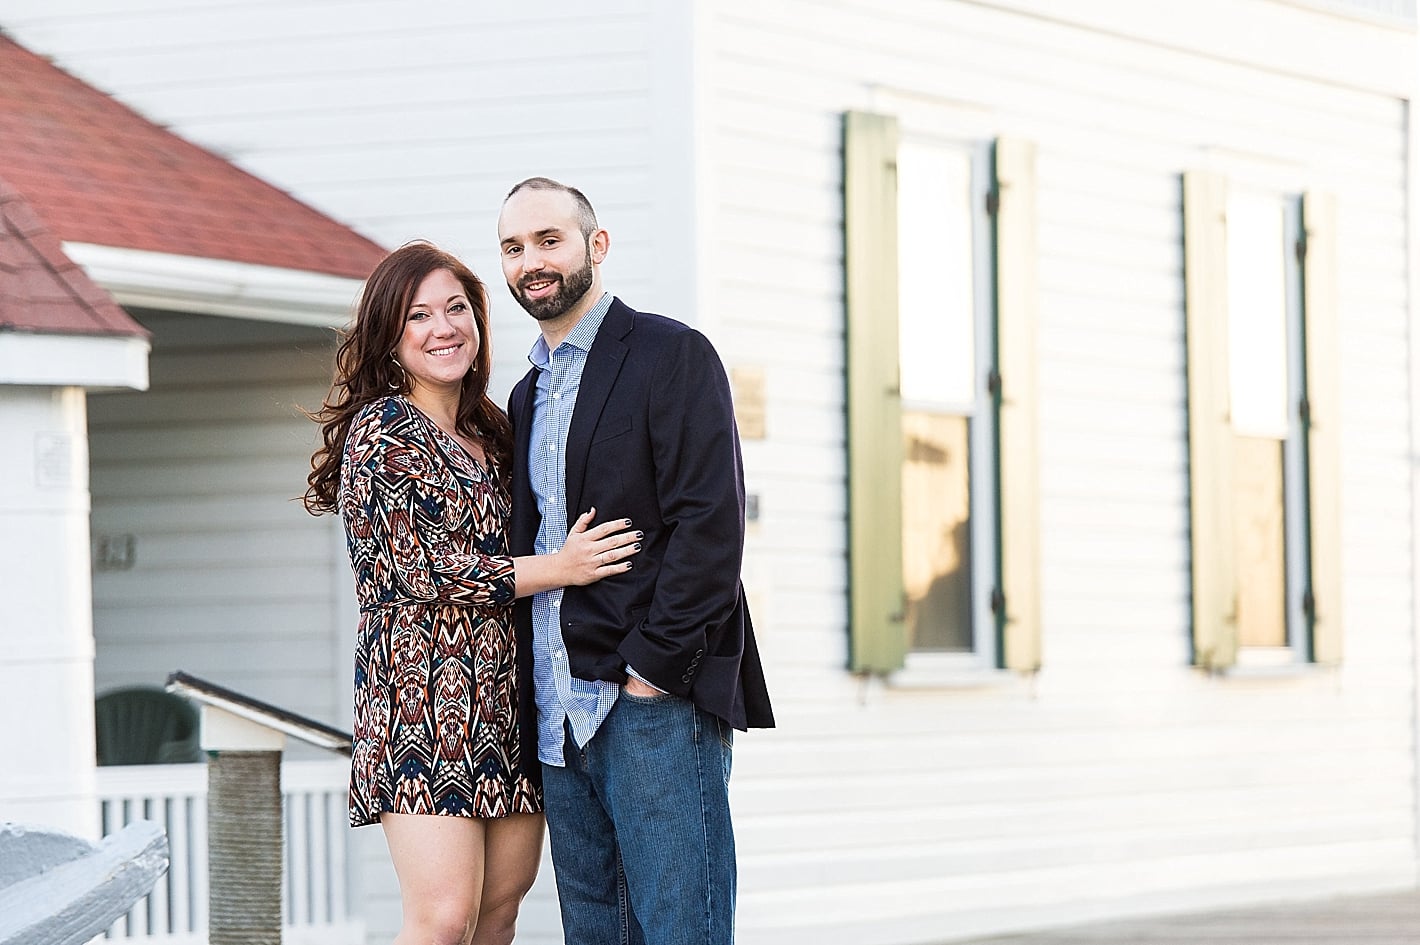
<point>586,216</point>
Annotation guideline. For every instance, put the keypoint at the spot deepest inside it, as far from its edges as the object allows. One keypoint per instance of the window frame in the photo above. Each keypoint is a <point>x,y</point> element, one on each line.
<point>983,492</point>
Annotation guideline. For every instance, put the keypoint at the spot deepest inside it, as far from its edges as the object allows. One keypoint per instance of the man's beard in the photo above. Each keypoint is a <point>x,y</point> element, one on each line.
<point>568,293</point>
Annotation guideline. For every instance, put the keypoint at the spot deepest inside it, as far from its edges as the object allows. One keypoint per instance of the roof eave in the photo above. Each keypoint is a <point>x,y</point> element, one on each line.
<point>143,279</point>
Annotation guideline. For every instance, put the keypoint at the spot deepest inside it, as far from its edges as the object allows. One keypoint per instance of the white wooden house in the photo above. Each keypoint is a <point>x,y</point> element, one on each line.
<point>1074,349</point>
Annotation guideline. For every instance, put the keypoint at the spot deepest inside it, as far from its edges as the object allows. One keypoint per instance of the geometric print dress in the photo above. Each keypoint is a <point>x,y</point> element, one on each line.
<point>436,719</point>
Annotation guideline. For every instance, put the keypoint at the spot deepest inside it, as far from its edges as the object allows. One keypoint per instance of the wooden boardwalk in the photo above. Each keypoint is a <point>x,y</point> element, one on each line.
<point>1389,919</point>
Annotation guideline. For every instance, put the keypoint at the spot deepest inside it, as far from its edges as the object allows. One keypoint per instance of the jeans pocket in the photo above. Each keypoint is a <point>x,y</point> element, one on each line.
<point>646,700</point>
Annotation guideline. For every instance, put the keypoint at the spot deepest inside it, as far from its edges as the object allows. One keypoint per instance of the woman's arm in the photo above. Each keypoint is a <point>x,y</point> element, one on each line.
<point>398,481</point>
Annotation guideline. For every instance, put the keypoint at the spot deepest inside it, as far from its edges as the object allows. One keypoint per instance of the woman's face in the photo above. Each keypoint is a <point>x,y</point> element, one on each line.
<point>440,339</point>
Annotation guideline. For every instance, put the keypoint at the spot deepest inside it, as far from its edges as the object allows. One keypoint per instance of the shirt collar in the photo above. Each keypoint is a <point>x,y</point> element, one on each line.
<point>580,337</point>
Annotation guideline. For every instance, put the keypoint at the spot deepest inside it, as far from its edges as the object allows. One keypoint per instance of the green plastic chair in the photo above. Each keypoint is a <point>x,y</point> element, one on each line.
<point>145,725</point>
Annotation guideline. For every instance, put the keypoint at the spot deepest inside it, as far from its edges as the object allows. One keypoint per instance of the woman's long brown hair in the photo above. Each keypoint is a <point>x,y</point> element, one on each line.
<point>366,371</point>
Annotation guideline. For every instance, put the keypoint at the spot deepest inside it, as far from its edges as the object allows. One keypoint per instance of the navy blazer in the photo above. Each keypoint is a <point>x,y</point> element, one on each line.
<point>652,439</point>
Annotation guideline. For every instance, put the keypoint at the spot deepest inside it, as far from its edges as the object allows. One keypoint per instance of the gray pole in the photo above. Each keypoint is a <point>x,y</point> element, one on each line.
<point>244,847</point>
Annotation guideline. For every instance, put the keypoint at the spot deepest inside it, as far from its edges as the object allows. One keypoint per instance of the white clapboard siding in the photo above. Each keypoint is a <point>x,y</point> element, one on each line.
<point>1119,781</point>
<point>231,579</point>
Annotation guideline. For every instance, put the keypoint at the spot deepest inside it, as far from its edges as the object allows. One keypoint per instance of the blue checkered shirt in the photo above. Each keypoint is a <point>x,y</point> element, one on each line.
<point>560,695</point>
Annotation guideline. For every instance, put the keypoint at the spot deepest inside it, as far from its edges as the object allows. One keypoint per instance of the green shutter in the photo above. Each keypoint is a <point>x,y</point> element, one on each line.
<point>1018,455</point>
<point>1321,324</point>
<point>877,630</point>
<point>1210,435</point>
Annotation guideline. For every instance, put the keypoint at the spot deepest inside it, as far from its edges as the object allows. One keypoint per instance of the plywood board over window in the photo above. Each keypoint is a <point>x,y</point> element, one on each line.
<point>1257,317</point>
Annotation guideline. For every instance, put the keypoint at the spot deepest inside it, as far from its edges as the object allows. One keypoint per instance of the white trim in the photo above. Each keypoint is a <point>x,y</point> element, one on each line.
<point>1245,33</point>
<point>705,46</point>
<point>90,361</point>
<point>230,731</point>
<point>674,99</point>
<point>928,670</point>
<point>1412,236</point>
<point>1269,657</point>
<point>142,279</point>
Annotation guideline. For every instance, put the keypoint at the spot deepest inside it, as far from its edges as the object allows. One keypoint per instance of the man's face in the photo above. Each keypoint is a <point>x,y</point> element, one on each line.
<point>546,260</point>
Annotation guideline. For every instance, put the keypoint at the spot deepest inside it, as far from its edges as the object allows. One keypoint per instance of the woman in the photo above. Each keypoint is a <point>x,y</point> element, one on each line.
<point>414,458</point>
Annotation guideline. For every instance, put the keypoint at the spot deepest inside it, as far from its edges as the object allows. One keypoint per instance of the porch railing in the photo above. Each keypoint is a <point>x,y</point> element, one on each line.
<point>315,899</point>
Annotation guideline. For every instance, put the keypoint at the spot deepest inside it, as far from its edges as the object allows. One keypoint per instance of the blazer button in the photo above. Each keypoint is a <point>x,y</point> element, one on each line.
<point>685,678</point>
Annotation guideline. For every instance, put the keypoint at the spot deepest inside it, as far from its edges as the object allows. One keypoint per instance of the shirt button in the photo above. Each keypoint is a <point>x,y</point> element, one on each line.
<point>551,447</point>
<point>557,396</point>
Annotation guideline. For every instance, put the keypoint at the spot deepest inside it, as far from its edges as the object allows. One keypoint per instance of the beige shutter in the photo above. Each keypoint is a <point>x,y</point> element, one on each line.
<point>1210,436</point>
<point>1017,419</point>
<point>877,631</point>
<point>1320,311</point>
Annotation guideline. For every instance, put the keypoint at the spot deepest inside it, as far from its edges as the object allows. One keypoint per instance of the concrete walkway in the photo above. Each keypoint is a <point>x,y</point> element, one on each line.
<point>1390,919</point>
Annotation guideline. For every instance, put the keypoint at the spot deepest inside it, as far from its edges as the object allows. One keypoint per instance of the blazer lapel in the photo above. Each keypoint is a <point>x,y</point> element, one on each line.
<point>598,376</point>
<point>524,505</point>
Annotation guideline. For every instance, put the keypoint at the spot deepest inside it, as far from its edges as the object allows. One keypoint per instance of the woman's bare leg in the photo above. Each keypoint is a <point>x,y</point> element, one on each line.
<point>513,849</point>
<point>440,864</point>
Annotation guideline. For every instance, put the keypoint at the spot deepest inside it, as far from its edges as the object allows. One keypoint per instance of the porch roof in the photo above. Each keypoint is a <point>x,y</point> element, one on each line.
<point>273,717</point>
<point>97,172</point>
<point>42,289</point>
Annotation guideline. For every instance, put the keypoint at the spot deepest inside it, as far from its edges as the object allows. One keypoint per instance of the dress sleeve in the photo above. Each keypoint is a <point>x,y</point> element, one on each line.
<point>413,511</point>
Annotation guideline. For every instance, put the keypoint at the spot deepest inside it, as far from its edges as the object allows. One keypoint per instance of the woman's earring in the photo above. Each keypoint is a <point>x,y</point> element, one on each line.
<point>397,384</point>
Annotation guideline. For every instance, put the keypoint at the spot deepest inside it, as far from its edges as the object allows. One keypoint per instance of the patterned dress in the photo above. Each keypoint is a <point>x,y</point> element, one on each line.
<point>436,722</point>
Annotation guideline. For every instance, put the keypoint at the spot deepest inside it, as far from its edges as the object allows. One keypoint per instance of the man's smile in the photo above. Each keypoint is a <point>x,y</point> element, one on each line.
<point>538,286</point>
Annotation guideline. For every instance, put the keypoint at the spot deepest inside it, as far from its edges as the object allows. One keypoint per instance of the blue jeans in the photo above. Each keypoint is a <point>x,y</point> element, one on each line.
<point>639,821</point>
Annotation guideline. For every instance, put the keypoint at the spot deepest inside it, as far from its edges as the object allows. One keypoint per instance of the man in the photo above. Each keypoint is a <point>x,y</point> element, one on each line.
<point>639,680</point>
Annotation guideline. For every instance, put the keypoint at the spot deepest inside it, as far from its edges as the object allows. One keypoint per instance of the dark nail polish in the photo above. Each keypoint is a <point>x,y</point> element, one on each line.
<point>640,535</point>
<point>636,547</point>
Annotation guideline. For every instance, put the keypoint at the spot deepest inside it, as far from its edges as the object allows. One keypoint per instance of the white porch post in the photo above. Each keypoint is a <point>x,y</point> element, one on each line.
<point>1412,172</point>
<point>46,610</point>
<point>46,620</point>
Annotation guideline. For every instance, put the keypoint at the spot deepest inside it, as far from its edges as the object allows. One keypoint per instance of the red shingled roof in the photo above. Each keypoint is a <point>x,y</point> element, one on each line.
<point>41,289</point>
<point>98,172</point>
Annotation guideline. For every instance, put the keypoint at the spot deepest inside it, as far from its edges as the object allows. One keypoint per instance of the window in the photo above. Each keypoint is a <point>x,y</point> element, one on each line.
<point>939,246</point>
<point>1261,307</point>
<point>1263,429</point>
<point>945,406</point>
